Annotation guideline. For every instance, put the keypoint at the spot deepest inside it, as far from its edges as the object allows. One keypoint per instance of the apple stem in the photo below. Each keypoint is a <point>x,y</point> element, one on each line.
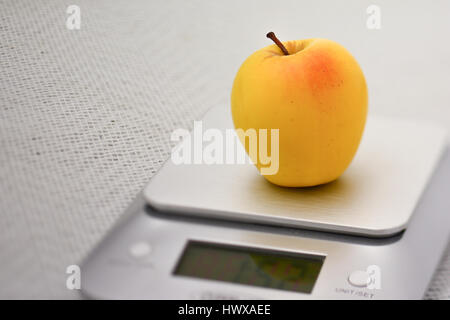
<point>274,38</point>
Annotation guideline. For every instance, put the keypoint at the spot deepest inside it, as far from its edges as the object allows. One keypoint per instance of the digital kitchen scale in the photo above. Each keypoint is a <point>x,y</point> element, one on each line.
<point>221,231</point>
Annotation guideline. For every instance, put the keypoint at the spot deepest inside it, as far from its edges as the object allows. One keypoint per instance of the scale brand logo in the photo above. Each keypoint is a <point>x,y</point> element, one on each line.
<point>216,146</point>
<point>374,277</point>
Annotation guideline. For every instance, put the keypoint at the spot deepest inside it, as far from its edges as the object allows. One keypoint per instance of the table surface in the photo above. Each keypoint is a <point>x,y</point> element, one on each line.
<point>86,115</point>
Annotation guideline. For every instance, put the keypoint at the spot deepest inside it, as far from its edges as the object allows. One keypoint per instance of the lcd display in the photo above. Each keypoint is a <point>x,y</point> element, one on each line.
<point>250,266</point>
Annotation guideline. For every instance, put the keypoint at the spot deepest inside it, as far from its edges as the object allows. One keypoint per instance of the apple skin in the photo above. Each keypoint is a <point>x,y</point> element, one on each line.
<point>316,96</point>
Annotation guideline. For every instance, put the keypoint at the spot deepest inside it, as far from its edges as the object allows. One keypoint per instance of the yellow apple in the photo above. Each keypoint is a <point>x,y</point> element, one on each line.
<point>315,93</point>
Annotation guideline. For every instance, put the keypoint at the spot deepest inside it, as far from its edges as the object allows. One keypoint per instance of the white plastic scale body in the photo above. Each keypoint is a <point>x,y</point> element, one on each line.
<point>222,232</point>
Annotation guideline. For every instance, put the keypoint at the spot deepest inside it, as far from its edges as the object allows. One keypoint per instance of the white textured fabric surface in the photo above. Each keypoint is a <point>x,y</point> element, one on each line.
<point>85,115</point>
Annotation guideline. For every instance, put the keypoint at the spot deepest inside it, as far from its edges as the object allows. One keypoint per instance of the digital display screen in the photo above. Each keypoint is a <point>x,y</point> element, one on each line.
<point>250,266</point>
